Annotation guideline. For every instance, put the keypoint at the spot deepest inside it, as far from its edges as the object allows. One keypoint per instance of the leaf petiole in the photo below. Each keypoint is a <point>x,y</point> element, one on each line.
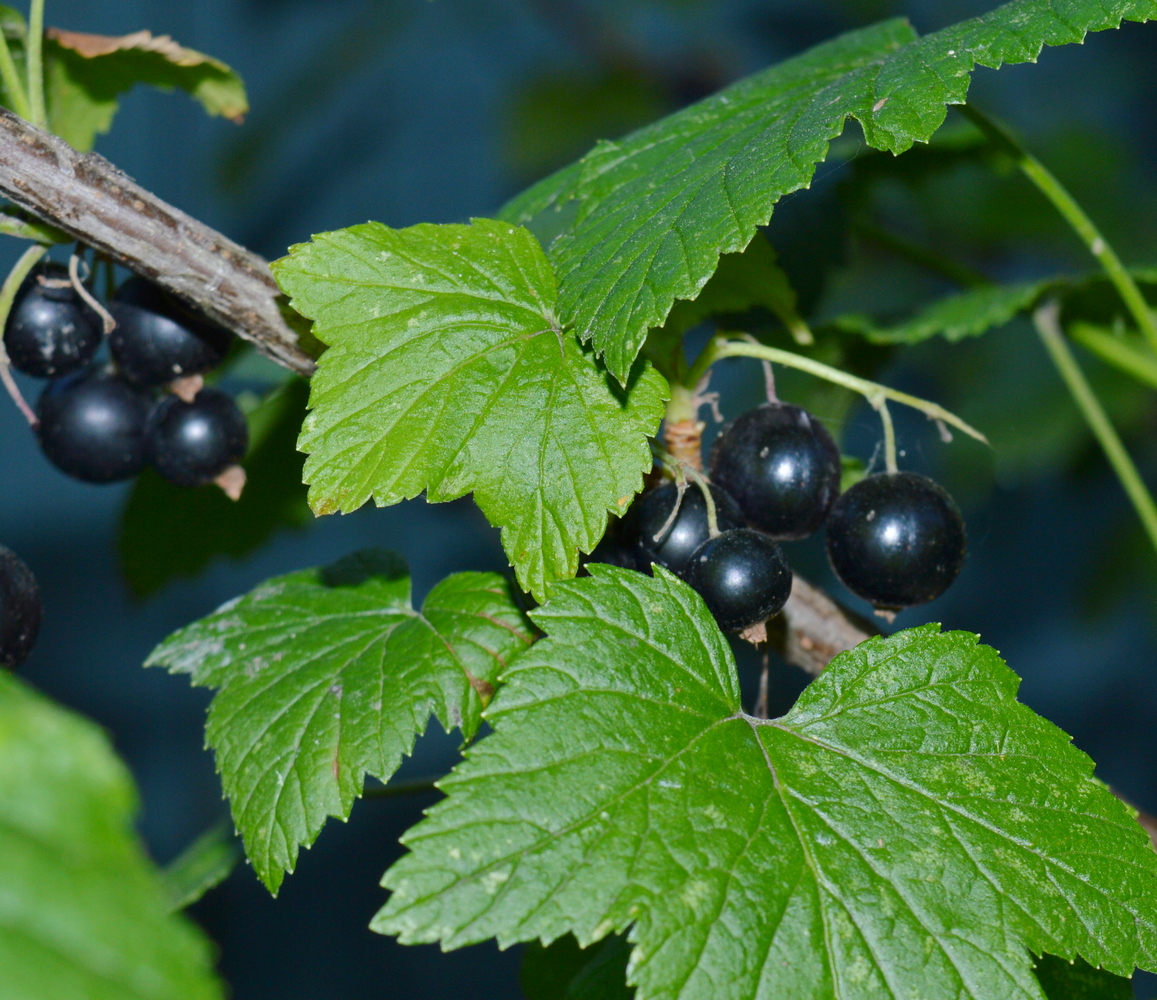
<point>38,113</point>
<point>722,347</point>
<point>1073,214</point>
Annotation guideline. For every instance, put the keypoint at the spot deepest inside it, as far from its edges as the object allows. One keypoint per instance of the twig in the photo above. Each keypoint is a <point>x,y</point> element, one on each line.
<point>34,58</point>
<point>880,405</point>
<point>92,201</point>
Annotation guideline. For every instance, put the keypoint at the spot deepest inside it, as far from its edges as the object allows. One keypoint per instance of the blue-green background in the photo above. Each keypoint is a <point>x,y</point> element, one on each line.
<point>408,117</point>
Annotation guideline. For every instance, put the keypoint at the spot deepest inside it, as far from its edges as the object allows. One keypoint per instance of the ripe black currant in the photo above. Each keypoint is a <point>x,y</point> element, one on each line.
<point>158,338</point>
<point>743,576</point>
<point>673,547</point>
<point>782,467</point>
<point>50,331</point>
<point>19,609</point>
<point>896,539</point>
<point>620,544</point>
<point>92,426</point>
<point>190,444</point>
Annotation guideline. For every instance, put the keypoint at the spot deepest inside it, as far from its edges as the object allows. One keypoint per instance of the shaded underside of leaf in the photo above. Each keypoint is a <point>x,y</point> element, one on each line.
<point>907,830</point>
<point>327,675</point>
<point>659,207</point>
<point>448,373</point>
<point>83,912</point>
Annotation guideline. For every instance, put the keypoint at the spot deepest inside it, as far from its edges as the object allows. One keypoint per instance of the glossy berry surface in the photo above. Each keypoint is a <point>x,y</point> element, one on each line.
<point>620,544</point>
<point>674,547</point>
<point>92,426</point>
<point>19,609</point>
<point>158,338</point>
<point>896,539</point>
<point>743,577</point>
<point>782,467</point>
<point>190,444</point>
<point>50,331</point>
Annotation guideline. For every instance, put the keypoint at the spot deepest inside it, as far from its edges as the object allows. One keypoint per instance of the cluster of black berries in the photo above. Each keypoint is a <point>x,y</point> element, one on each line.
<point>895,539</point>
<point>102,423</point>
<point>19,609</point>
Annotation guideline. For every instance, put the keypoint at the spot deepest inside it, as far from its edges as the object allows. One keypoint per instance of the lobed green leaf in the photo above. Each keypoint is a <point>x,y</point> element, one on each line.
<point>906,830</point>
<point>83,912</point>
<point>448,373</point>
<point>327,675</point>
<point>658,208</point>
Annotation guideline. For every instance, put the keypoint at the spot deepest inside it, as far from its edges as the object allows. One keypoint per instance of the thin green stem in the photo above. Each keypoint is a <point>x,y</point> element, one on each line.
<point>708,500</point>
<point>35,49</point>
<point>12,223</point>
<point>12,82</point>
<point>8,290</point>
<point>1130,358</point>
<point>1074,215</point>
<point>721,348</point>
<point>1047,321</point>
<point>880,405</point>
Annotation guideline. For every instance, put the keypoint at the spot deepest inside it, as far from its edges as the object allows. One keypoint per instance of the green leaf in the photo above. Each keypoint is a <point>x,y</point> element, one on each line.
<point>169,531</point>
<point>447,372</point>
<point>203,865</point>
<point>965,314</point>
<point>327,675</point>
<point>86,74</point>
<point>908,829</point>
<point>83,912</point>
<point>1078,980</point>
<point>658,208</point>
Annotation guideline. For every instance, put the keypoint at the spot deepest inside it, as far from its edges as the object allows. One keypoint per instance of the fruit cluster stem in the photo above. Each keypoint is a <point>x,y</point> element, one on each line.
<point>721,348</point>
<point>682,429</point>
<point>1073,214</point>
<point>23,267</point>
<point>1047,321</point>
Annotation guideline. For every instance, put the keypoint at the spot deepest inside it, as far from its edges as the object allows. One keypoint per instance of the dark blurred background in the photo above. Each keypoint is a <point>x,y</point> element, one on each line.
<point>408,111</point>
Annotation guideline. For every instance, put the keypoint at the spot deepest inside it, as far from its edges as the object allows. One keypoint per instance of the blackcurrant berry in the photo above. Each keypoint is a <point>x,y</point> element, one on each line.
<point>92,426</point>
<point>158,338</point>
<point>896,539</point>
<point>620,544</point>
<point>743,577</point>
<point>50,331</point>
<point>19,609</point>
<point>673,547</point>
<point>782,467</point>
<point>190,444</point>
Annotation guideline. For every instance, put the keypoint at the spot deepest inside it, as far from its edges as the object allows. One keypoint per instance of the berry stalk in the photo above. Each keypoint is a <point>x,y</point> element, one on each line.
<point>1047,322</point>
